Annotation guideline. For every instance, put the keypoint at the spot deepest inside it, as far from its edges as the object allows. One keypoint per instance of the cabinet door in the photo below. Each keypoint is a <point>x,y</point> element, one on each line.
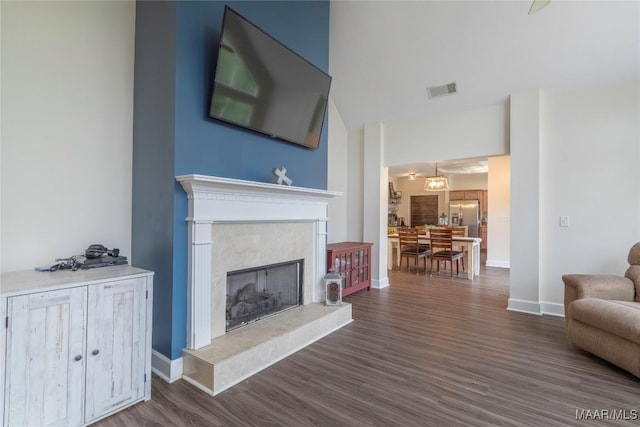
<point>485,203</point>
<point>115,345</point>
<point>45,358</point>
<point>456,195</point>
<point>473,195</point>
<point>3,354</point>
<point>483,235</point>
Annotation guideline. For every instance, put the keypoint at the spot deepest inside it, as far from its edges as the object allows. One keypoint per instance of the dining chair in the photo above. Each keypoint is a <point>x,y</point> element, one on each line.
<point>442,249</point>
<point>422,231</point>
<point>410,247</point>
<point>459,232</point>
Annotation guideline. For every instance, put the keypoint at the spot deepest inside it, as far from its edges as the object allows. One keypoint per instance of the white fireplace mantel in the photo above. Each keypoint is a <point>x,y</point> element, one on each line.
<point>216,199</point>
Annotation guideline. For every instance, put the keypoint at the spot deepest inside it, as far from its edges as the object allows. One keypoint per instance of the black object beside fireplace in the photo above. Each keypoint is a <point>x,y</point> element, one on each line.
<point>255,293</point>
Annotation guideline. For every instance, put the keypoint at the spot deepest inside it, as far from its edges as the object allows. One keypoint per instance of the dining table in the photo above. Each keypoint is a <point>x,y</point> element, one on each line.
<point>471,246</point>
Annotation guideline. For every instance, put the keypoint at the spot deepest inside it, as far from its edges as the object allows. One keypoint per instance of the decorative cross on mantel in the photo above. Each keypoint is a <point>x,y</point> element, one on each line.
<point>281,176</point>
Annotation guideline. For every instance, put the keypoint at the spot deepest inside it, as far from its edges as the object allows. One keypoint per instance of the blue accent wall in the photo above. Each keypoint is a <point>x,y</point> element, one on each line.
<point>202,145</point>
<point>154,158</point>
<point>207,146</point>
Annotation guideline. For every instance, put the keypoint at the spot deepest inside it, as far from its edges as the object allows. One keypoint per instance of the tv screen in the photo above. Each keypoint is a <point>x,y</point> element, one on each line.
<point>262,85</point>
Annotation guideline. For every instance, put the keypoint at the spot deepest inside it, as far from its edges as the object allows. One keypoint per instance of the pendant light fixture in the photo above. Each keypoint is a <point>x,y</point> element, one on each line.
<point>436,183</point>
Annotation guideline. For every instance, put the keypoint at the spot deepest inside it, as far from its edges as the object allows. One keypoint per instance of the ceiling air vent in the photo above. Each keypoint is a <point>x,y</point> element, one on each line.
<point>437,91</point>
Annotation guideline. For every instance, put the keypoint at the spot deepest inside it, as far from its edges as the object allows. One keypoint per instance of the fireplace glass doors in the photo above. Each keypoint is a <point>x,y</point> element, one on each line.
<point>256,293</point>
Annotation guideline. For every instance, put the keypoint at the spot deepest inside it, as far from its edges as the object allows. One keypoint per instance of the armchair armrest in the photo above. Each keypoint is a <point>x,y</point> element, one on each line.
<point>601,286</point>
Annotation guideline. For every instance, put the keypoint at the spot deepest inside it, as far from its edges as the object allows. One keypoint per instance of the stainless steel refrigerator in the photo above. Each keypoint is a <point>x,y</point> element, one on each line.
<point>465,212</point>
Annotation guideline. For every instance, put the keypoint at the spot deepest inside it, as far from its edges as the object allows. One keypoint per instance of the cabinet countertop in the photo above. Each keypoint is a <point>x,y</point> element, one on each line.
<point>346,245</point>
<point>31,281</point>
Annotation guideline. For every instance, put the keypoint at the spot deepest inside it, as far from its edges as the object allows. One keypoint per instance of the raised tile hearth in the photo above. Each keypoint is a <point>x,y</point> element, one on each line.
<point>240,353</point>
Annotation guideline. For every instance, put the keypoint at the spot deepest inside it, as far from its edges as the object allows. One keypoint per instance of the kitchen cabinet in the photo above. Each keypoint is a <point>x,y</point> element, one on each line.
<point>484,204</point>
<point>465,195</point>
<point>78,344</point>
<point>483,235</point>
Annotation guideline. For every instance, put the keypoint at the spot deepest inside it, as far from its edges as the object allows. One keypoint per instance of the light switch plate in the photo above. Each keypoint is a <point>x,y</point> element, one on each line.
<point>564,221</point>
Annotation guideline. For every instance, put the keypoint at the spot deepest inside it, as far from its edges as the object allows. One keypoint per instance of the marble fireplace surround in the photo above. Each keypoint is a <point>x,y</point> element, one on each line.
<point>255,245</point>
<point>216,201</point>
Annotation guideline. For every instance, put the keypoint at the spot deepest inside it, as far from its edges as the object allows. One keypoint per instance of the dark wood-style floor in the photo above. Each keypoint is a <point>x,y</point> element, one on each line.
<point>427,351</point>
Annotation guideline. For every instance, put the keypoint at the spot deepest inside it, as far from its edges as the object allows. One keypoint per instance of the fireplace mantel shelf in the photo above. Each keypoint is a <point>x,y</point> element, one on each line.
<point>195,183</point>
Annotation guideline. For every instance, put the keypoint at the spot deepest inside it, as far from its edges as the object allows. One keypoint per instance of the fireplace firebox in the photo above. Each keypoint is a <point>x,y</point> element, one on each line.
<point>256,293</point>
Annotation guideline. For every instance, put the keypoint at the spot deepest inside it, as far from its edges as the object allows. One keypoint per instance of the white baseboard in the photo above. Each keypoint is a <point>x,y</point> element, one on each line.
<point>498,263</point>
<point>524,306</point>
<point>168,370</point>
<point>380,283</point>
<point>552,308</point>
<point>537,308</point>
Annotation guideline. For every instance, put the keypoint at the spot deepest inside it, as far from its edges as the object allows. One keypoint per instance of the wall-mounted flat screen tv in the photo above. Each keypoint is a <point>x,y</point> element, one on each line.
<point>262,85</point>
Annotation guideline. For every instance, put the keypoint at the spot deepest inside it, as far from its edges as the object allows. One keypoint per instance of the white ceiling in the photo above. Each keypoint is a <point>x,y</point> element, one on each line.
<point>423,169</point>
<point>384,54</point>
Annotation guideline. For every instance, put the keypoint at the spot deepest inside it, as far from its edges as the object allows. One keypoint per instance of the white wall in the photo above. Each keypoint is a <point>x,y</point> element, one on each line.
<point>337,175</point>
<point>499,218</point>
<point>575,154</point>
<point>470,181</point>
<point>475,133</point>
<point>355,185</point>
<point>67,102</point>
<point>590,171</point>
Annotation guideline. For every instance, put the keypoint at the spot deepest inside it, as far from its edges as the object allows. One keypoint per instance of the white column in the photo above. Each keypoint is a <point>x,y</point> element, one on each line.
<point>375,195</point>
<point>199,286</point>
<point>321,261</point>
<point>525,202</point>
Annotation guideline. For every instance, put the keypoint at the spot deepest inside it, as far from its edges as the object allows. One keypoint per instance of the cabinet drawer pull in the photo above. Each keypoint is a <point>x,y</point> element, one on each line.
<point>95,352</point>
<point>78,358</point>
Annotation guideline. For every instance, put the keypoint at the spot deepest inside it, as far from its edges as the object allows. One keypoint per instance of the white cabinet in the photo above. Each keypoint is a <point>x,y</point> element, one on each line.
<point>115,346</point>
<point>78,344</point>
<point>44,381</point>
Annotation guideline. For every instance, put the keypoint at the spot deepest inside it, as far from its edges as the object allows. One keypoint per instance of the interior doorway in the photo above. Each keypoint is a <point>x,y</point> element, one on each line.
<point>489,174</point>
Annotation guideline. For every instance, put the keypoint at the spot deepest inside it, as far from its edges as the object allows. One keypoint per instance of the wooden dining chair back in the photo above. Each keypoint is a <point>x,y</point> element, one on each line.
<point>459,232</point>
<point>422,231</point>
<point>410,247</point>
<point>442,249</point>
